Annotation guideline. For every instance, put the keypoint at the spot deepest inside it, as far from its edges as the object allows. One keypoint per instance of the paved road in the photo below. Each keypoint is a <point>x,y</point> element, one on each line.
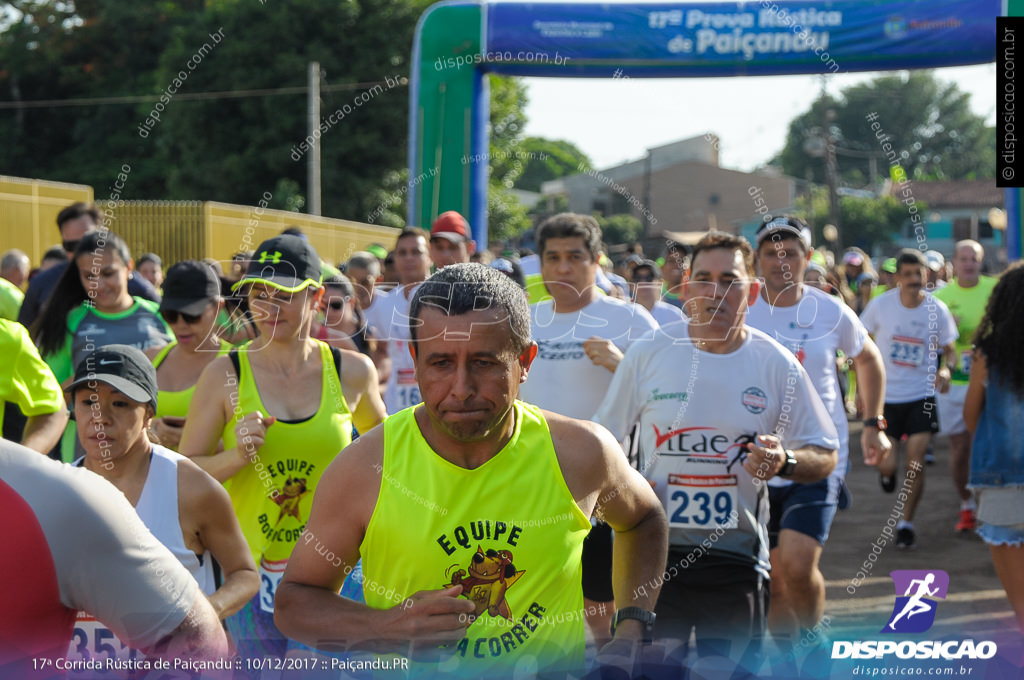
<point>976,602</point>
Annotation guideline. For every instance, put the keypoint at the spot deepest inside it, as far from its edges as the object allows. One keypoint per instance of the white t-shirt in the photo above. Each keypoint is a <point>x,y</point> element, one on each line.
<point>664,313</point>
<point>696,411</point>
<point>389,316</point>
<point>909,340</point>
<point>813,329</point>
<point>562,378</point>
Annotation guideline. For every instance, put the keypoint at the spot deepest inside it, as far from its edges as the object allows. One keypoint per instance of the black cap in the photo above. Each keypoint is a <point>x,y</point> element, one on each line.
<point>189,287</point>
<point>123,367</point>
<point>287,262</point>
<point>787,224</point>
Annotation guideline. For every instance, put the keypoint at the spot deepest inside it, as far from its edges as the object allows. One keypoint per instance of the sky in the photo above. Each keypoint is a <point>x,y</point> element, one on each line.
<point>616,120</point>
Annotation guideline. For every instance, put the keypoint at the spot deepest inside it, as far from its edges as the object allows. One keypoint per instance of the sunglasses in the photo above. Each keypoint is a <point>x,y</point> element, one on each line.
<point>335,304</point>
<point>643,278</point>
<point>171,316</point>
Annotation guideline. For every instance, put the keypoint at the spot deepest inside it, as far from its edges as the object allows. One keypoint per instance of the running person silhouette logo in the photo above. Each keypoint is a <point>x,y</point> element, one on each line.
<point>914,611</point>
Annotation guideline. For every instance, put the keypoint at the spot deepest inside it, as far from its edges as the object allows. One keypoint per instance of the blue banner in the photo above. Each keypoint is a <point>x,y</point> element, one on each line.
<point>765,37</point>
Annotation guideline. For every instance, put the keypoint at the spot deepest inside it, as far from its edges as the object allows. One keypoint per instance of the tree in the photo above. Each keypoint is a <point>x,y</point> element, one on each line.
<point>928,122</point>
<point>506,216</point>
<point>617,229</point>
<point>250,145</point>
<point>548,159</point>
<point>227,149</point>
<point>866,222</point>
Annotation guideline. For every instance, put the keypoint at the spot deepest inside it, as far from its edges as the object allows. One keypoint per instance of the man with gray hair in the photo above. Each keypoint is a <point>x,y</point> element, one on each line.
<point>966,296</point>
<point>13,273</point>
<point>496,578</point>
<point>14,266</point>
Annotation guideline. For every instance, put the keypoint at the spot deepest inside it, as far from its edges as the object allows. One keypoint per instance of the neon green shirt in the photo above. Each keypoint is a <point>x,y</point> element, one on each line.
<point>11,298</point>
<point>967,306</point>
<point>25,379</point>
<point>509,532</point>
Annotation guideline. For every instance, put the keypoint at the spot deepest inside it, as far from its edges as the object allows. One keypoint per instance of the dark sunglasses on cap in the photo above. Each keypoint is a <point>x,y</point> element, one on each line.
<point>171,316</point>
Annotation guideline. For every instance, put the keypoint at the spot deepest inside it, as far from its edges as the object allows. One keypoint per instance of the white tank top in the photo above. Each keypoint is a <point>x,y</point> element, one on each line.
<point>158,509</point>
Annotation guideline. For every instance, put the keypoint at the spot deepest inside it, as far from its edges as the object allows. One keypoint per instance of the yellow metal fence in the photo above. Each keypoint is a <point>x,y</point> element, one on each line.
<point>174,230</point>
<point>28,212</point>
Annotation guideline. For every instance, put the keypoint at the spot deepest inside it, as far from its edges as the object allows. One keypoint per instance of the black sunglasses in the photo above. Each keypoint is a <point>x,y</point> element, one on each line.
<point>171,316</point>
<point>643,278</point>
<point>335,304</point>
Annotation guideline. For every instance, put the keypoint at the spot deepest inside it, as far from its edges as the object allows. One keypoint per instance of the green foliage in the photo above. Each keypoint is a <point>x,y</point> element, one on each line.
<point>866,222</point>
<point>506,216</point>
<point>226,149</point>
<point>548,159</point>
<point>623,228</point>
<point>929,123</point>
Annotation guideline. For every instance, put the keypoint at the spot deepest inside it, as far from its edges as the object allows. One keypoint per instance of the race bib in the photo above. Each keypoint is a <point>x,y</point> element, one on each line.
<point>965,362</point>
<point>92,640</point>
<point>907,351</point>
<point>270,578</point>
<point>703,501</point>
<point>407,392</point>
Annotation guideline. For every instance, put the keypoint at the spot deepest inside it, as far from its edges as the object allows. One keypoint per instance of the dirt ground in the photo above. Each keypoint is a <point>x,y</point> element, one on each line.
<point>976,602</point>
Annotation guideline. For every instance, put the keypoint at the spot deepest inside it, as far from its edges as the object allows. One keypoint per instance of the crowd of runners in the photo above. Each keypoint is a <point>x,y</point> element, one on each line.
<point>487,465</point>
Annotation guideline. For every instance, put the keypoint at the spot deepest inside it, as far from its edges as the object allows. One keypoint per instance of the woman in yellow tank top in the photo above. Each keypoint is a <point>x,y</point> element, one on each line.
<point>190,306</point>
<point>284,405</point>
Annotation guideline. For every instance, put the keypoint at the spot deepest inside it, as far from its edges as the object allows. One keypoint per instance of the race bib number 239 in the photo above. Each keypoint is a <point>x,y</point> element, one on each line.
<point>702,501</point>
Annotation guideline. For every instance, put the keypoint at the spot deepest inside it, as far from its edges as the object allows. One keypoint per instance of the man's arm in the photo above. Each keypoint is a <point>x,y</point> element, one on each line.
<point>870,370</point>
<point>308,608</point>
<point>766,459</point>
<point>42,432</point>
<point>200,636</point>
<point>603,484</point>
<point>946,364</point>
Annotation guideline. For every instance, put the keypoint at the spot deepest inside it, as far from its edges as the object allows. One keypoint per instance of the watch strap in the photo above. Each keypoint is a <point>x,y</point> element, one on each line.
<point>644,616</point>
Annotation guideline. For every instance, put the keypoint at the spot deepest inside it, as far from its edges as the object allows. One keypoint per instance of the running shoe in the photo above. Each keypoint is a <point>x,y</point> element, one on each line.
<point>905,538</point>
<point>967,521</point>
<point>888,483</point>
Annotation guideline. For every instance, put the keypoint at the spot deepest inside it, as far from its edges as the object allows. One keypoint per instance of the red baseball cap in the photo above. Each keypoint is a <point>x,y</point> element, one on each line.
<point>450,225</point>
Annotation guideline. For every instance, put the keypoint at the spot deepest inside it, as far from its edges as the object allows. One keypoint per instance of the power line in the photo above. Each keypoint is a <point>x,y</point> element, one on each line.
<point>194,96</point>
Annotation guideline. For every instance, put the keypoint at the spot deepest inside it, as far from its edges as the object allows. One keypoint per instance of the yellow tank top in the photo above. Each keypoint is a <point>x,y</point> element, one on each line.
<point>509,532</point>
<point>273,494</point>
<point>175,404</point>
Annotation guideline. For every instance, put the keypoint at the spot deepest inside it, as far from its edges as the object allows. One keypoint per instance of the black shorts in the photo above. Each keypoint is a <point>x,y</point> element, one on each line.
<point>806,508</point>
<point>597,564</point>
<point>912,417</point>
<point>727,604</point>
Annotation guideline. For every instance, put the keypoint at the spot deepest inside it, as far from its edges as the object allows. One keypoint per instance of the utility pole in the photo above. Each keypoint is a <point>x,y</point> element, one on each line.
<point>831,177</point>
<point>313,127</point>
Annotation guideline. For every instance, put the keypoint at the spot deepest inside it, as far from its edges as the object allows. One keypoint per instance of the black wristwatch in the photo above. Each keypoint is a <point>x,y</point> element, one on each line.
<point>642,615</point>
<point>878,422</point>
<point>790,466</point>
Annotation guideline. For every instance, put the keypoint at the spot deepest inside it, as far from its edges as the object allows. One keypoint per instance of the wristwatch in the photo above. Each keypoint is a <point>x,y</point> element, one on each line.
<point>878,422</point>
<point>790,466</point>
<point>642,615</point>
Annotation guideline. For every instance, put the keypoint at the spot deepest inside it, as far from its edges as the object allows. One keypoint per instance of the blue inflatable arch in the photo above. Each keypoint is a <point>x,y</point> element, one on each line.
<point>457,43</point>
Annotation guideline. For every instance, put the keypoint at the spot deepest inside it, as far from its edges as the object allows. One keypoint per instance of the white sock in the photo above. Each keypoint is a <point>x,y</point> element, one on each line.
<point>904,524</point>
<point>968,504</point>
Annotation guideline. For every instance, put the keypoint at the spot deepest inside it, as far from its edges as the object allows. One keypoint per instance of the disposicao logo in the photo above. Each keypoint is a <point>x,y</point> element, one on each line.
<point>914,612</point>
